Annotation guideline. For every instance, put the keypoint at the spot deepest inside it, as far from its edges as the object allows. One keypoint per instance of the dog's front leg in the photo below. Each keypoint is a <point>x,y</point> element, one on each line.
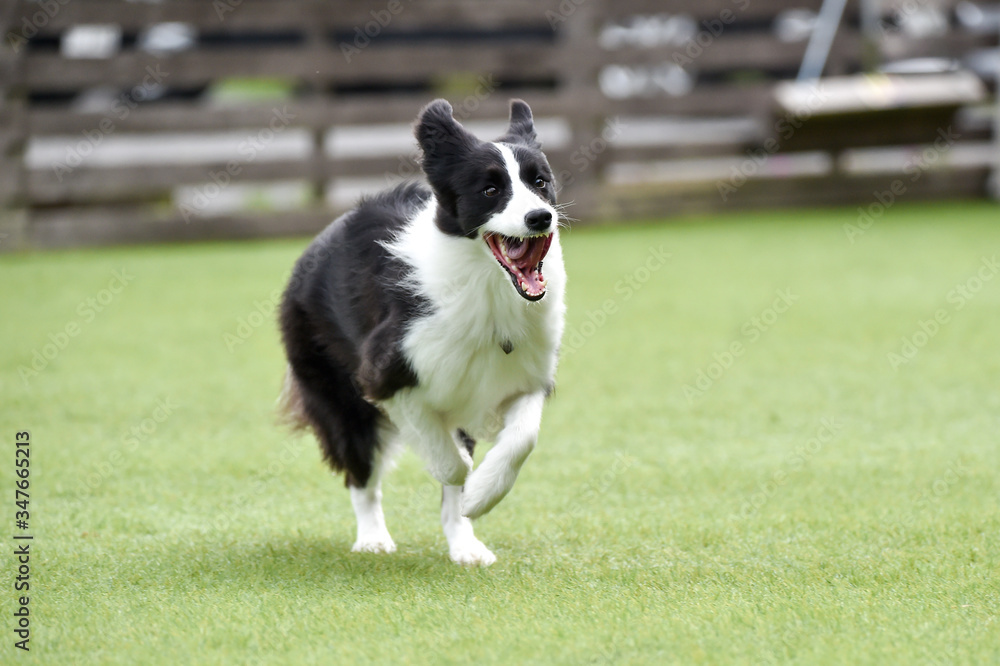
<point>495,476</point>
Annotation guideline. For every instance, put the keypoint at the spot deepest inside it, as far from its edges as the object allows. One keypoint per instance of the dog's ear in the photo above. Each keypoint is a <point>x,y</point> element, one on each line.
<point>522,126</point>
<point>445,144</point>
<point>439,134</point>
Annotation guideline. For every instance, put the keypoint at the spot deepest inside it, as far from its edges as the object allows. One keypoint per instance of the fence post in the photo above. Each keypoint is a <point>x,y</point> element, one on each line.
<point>13,131</point>
<point>995,176</point>
<point>316,40</point>
<point>582,177</point>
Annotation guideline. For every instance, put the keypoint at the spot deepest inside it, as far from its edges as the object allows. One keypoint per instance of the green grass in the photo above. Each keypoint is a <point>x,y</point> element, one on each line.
<point>653,524</point>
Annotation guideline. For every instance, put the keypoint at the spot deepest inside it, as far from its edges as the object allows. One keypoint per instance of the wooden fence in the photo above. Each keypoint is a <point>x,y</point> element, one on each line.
<point>652,107</point>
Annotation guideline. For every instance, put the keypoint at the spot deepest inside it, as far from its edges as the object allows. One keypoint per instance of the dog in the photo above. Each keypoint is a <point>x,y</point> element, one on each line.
<point>423,316</point>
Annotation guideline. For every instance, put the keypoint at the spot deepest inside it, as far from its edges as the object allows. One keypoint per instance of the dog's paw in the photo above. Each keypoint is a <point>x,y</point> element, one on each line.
<point>482,492</point>
<point>471,552</point>
<point>376,542</point>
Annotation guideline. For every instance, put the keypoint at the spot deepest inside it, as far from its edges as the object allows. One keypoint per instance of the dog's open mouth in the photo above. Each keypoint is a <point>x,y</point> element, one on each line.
<point>522,258</point>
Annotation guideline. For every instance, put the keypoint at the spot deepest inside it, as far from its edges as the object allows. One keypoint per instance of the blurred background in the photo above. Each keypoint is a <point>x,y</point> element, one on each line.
<point>163,120</point>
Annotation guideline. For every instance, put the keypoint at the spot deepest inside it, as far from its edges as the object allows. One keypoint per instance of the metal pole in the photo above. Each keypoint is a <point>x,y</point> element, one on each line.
<point>871,30</point>
<point>818,49</point>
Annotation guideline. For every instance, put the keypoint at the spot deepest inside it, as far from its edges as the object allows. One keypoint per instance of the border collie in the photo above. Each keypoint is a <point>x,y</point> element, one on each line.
<point>423,317</point>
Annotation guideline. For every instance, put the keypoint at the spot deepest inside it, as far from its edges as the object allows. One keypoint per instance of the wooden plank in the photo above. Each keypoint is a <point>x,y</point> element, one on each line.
<point>860,190</point>
<point>314,113</point>
<point>864,94</point>
<point>450,14</point>
<point>135,182</point>
<point>888,128</point>
<point>717,99</point>
<point>266,15</point>
<point>401,63</point>
<point>129,225</point>
<point>754,10</point>
<point>620,203</point>
<point>271,15</point>
<point>142,181</point>
<point>760,11</point>
<point>659,152</point>
<point>741,51</point>
<point>953,45</point>
<point>890,6</point>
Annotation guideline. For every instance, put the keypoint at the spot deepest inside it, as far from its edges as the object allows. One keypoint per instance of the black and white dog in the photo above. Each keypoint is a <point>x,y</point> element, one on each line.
<point>423,317</point>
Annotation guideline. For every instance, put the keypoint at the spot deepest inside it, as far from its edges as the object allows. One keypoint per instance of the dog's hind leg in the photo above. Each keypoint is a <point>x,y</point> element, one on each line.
<point>373,536</point>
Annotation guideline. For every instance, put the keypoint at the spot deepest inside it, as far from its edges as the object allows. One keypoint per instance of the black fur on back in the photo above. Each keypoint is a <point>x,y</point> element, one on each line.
<point>341,318</point>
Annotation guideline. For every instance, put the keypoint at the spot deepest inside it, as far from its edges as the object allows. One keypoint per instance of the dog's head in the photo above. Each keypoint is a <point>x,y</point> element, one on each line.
<point>499,193</point>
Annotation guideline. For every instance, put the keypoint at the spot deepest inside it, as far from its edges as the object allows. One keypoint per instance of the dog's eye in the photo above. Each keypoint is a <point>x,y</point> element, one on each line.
<point>491,191</point>
<point>540,183</point>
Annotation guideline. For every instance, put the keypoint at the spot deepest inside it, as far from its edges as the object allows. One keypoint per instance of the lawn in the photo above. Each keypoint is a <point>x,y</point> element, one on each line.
<point>768,444</point>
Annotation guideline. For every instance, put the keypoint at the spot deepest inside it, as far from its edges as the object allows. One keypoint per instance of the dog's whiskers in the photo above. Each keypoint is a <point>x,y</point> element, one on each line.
<point>563,220</point>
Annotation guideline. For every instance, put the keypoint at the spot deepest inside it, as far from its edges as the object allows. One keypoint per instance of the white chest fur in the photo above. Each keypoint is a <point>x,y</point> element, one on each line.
<point>456,350</point>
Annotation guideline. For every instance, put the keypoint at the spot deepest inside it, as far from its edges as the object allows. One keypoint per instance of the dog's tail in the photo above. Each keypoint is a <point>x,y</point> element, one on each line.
<point>291,406</point>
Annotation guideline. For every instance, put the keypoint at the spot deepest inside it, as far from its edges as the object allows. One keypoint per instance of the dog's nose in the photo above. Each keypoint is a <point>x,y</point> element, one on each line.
<point>538,220</point>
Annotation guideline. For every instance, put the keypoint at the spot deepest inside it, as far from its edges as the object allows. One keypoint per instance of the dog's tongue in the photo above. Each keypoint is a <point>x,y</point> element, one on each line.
<point>529,252</point>
<point>516,248</point>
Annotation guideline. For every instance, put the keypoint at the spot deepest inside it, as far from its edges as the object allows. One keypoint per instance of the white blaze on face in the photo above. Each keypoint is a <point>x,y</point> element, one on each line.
<point>518,248</point>
<point>510,220</point>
